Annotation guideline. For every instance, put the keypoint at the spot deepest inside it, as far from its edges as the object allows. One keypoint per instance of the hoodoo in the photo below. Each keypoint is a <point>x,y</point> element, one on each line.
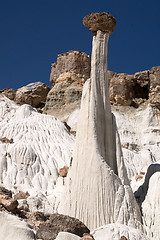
<point>98,190</point>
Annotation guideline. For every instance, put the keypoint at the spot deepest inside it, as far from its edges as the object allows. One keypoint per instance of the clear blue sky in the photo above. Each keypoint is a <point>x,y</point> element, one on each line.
<point>33,33</point>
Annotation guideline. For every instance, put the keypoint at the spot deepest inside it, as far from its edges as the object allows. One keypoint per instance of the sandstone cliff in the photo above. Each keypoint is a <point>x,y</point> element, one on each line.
<point>124,89</point>
<point>67,77</point>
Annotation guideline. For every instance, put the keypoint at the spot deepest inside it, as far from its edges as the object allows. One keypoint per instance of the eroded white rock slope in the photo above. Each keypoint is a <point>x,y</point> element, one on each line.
<point>141,128</point>
<point>41,145</point>
<point>139,131</point>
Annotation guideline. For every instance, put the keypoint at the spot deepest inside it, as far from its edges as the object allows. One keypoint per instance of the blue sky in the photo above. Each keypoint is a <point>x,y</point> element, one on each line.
<point>33,33</point>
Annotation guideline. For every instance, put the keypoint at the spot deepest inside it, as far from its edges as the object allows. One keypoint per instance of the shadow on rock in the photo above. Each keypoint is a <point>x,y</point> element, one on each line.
<point>141,193</point>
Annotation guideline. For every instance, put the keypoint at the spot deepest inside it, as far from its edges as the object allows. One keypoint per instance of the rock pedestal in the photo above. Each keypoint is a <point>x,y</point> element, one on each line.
<point>98,190</point>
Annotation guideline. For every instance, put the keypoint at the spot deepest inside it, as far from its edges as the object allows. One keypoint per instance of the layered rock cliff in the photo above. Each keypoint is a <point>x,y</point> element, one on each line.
<point>67,77</point>
<point>124,89</point>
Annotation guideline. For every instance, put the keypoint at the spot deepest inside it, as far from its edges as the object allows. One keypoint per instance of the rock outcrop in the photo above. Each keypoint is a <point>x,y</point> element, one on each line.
<point>60,223</point>
<point>63,171</point>
<point>33,94</point>
<point>124,89</point>
<point>154,90</point>
<point>73,65</point>
<point>6,200</point>
<point>98,190</point>
<point>129,90</point>
<point>46,227</point>
<point>67,77</point>
<point>9,93</point>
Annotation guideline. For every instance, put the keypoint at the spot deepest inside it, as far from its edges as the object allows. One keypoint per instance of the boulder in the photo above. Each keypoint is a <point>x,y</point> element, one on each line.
<point>100,21</point>
<point>35,219</point>
<point>33,94</point>
<point>63,171</point>
<point>8,203</point>
<point>60,223</point>
<point>128,90</point>
<point>123,238</point>
<point>9,93</point>
<point>6,192</point>
<point>6,200</point>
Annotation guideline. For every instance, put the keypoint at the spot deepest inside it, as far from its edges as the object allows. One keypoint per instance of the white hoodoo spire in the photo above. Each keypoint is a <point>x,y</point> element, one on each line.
<point>98,190</point>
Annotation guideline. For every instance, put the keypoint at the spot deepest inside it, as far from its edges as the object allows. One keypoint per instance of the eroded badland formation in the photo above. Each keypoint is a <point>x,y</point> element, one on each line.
<point>81,160</point>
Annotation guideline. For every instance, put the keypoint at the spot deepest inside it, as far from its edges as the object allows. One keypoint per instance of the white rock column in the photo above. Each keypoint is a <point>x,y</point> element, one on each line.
<point>96,193</point>
<point>100,111</point>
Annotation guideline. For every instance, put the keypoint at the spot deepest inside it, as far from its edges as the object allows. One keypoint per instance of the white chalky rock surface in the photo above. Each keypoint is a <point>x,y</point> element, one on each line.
<point>12,228</point>
<point>141,135</point>
<point>139,131</point>
<point>115,231</point>
<point>148,196</point>
<point>41,145</point>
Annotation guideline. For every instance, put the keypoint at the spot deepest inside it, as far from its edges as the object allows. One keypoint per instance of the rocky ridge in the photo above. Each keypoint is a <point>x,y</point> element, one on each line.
<point>124,89</point>
<point>74,65</point>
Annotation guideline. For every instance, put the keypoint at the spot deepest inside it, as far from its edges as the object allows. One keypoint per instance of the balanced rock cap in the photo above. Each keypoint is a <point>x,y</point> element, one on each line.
<point>100,21</point>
